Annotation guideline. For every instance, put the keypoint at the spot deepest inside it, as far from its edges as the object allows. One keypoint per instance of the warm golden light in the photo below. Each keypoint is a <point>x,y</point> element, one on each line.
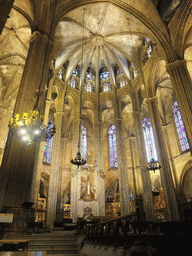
<point>23,131</point>
<point>36,132</point>
<point>25,138</point>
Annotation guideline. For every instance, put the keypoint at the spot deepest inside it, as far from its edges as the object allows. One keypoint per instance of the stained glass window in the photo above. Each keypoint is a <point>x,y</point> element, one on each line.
<point>149,141</point>
<point>75,72</point>
<point>88,87</point>
<point>60,74</point>
<point>48,147</point>
<point>131,195</point>
<point>106,87</point>
<point>112,147</point>
<point>83,141</point>
<point>105,83</point>
<point>121,82</point>
<point>72,82</point>
<point>145,41</point>
<point>105,75</point>
<point>119,72</point>
<point>89,76</point>
<point>180,127</point>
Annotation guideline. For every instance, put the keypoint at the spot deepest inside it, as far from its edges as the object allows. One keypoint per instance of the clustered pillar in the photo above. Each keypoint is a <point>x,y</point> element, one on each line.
<point>123,174</point>
<point>99,178</point>
<point>54,175</point>
<point>165,171</point>
<point>145,177</point>
<point>19,158</point>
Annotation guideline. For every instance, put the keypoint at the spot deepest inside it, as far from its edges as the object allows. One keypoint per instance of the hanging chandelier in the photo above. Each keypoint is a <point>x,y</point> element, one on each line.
<point>78,160</point>
<point>153,165</point>
<point>30,128</point>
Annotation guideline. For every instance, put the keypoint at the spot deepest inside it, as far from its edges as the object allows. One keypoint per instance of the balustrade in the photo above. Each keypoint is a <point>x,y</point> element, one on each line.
<point>120,230</point>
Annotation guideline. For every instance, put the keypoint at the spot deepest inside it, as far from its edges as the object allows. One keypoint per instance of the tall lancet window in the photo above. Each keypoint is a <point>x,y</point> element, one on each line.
<point>112,147</point>
<point>83,141</point>
<point>180,127</point>
<point>48,147</point>
<point>149,141</point>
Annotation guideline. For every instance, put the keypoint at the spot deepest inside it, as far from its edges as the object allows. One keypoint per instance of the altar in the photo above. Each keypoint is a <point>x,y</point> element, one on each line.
<point>83,206</point>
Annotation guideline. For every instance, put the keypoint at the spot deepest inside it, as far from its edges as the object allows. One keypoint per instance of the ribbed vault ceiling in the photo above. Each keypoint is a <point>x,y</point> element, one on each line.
<point>96,36</point>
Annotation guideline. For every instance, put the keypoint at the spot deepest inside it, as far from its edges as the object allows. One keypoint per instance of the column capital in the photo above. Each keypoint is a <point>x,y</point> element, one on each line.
<point>150,100</point>
<point>131,138</point>
<point>37,34</point>
<point>118,119</point>
<point>59,113</point>
<point>74,172</point>
<point>101,173</point>
<point>137,113</point>
<point>176,63</point>
<point>77,120</point>
<point>98,122</point>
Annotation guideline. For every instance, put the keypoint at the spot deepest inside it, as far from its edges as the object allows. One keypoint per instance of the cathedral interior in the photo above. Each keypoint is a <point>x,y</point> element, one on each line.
<point>95,109</point>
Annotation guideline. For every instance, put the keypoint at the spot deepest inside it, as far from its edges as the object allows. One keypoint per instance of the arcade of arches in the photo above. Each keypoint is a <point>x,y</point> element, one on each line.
<point>115,75</point>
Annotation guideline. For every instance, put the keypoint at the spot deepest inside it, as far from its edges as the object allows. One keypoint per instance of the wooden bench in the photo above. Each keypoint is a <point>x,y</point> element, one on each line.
<point>14,245</point>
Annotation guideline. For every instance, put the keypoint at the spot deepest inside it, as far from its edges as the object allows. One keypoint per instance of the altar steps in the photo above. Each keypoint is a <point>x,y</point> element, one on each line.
<point>54,243</point>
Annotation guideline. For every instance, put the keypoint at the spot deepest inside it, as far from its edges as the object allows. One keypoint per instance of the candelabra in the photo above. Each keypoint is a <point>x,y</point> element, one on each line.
<point>78,160</point>
<point>29,127</point>
<point>153,165</point>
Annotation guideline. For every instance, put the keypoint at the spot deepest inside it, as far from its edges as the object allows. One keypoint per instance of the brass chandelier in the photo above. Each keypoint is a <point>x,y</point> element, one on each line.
<point>153,165</point>
<point>79,160</point>
<point>30,128</point>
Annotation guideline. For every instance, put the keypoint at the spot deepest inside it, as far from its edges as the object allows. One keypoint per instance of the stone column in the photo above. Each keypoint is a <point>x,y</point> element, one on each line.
<point>170,157</point>
<point>54,175</point>
<point>182,85</point>
<point>132,163</point>
<point>60,199</point>
<point>39,163</point>
<point>76,174</point>
<point>165,171</point>
<point>99,176</point>
<point>17,169</point>
<point>5,115</point>
<point>73,205</point>
<point>145,177</point>
<point>122,167</point>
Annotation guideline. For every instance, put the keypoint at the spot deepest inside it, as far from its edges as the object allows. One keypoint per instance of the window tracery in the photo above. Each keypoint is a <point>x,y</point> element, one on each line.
<point>149,47</point>
<point>180,127</point>
<point>61,74</point>
<point>105,81</point>
<point>48,147</point>
<point>89,83</point>
<point>149,141</point>
<point>112,147</point>
<point>132,70</point>
<point>74,80</point>
<point>121,81</point>
<point>83,141</point>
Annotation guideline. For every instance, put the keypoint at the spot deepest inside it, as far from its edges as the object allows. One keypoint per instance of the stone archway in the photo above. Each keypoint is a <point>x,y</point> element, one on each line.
<point>186,185</point>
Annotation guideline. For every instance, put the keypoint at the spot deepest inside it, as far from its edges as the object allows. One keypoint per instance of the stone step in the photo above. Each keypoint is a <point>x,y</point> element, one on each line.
<point>62,253</point>
<point>55,243</point>
<point>64,238</point>
<point>68,251</point>
<point>52,242</point>
<point>51,247</point>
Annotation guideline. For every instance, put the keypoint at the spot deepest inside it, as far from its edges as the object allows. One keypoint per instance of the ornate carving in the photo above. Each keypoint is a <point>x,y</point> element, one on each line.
<point>73,172</point>
<point>102,173</point>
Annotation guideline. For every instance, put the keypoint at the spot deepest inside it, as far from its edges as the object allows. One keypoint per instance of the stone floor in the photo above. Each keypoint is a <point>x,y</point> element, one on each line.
<point>36,253</point>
